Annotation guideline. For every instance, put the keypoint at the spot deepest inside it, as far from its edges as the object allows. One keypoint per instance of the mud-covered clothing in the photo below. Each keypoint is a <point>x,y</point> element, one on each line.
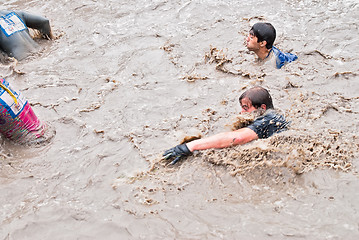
<point>18,121</point>
<point>15,39</point>
<point>278,58</point>
<point>282,58</point>
<point>268,124</point>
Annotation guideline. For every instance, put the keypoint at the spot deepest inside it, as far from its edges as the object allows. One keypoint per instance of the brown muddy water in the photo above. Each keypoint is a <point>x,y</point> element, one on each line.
<point>126,80</point>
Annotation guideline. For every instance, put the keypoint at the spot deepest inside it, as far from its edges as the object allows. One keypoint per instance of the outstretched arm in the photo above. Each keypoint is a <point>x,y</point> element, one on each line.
<point>222,140</point>
<point>36,22</point>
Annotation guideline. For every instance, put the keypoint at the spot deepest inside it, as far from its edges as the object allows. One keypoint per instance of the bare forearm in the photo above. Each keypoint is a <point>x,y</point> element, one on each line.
<point>223,140</point>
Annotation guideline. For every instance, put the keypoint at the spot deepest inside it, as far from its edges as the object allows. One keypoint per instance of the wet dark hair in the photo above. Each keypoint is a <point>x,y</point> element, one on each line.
<point>258,96</point>
<point>264,32</point>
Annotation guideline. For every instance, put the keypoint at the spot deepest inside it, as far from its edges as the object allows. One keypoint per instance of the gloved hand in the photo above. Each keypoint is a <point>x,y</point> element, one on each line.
<point>177,152</point>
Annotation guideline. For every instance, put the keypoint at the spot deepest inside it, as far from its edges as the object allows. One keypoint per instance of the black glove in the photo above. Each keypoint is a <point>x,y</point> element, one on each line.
<point>177,152</point>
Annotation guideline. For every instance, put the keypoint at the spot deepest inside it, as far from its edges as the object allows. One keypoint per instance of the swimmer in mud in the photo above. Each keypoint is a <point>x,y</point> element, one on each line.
<point>260,40</point>
<point>15,39</point>
<point>18,121</point>
<point>254,100</point>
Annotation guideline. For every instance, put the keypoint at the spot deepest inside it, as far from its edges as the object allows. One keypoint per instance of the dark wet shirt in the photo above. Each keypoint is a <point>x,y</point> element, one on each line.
<point>15,39</point>
<point>268,124</point>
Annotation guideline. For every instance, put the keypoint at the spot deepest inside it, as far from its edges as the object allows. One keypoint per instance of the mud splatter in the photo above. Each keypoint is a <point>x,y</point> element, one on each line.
<point>298,154</point>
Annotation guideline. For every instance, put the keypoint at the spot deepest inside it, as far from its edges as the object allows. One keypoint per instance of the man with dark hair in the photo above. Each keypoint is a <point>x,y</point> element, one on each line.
<point>258,96</point>
<point>15,39</point>
<point>260,40</point>
<point>256,99</point>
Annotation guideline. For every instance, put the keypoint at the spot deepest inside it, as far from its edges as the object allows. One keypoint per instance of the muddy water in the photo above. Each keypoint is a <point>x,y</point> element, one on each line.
<point>125,80</point>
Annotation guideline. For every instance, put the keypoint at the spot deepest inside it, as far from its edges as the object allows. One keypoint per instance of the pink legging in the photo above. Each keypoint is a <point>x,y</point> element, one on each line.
<point>18,121</point>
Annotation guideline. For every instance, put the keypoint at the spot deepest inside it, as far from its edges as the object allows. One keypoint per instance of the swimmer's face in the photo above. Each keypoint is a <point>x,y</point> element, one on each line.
<point>252,42</point>
<point>247,106</point>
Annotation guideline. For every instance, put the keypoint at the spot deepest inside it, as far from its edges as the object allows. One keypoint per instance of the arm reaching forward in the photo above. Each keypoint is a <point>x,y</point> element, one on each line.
<point>222,140</point>
<point>36,22</point>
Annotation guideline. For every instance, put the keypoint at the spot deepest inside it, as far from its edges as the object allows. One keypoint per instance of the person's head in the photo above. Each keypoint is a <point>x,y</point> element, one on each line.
<point>255,98</point>
<point>261,35</point>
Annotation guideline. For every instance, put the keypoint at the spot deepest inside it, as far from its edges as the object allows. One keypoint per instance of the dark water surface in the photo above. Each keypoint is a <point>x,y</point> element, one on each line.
<point>125,80</point>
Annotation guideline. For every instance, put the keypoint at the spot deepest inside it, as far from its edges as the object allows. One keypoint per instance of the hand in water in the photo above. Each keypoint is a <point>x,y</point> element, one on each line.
<point>177,153</point>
